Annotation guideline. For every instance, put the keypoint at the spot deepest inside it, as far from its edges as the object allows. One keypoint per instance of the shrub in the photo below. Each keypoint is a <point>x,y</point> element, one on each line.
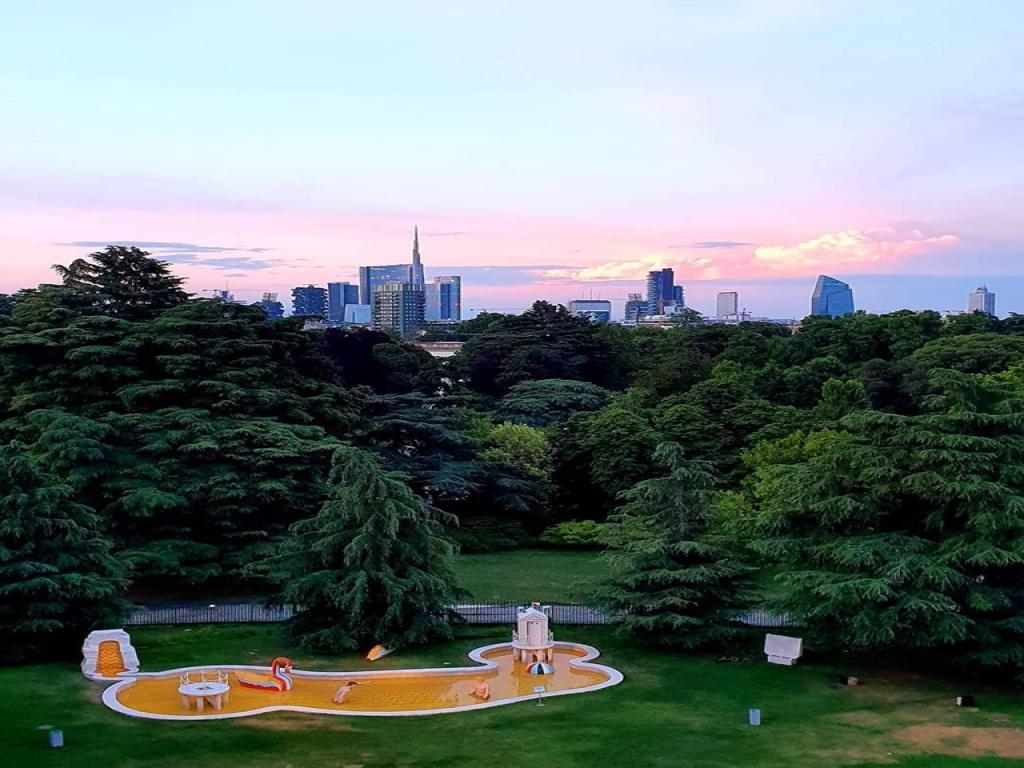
<point>481,535</point>
<point>574,534</point>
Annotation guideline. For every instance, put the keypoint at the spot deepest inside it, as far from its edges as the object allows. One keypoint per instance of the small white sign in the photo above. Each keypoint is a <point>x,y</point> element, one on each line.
<point>781,649</point>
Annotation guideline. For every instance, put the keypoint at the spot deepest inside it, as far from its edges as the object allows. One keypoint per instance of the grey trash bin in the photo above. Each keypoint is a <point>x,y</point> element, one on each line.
<point>754,717</point>
<point>56,738</point>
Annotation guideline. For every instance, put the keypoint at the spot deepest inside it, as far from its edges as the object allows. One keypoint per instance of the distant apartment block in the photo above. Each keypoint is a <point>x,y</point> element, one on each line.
<point>398,307</point>
<point>595,310</point>
<point>634,309</point>
<point>272,308</point>
<point>309,301</point>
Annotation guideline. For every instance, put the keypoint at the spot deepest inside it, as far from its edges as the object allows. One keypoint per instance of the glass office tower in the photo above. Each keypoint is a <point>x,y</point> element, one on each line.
<point>831,297</point>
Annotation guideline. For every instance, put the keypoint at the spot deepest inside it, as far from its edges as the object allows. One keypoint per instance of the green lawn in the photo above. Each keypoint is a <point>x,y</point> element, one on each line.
<point>520,575</point>
<point>551,575</point>
<point>524,575</point>
<point>672,710</point>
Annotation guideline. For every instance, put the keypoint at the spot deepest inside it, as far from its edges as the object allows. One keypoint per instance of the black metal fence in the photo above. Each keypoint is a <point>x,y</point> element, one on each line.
<point>505,613</point>
<point>232,613</point>
<point>491,613</point>
<point>766,619</point>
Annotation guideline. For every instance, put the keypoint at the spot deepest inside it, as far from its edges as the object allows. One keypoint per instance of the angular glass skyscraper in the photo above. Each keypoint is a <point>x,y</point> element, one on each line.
<point>831,297</point>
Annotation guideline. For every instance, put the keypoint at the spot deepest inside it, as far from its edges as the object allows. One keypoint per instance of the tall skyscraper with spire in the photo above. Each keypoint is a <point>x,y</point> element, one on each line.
<point>371,278</point>
<point>441,300</point>
<point>417,265</point>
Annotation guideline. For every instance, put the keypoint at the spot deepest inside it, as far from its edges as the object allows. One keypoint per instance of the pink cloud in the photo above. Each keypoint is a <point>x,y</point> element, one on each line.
<point>850,248</point>
<point>698,267</point>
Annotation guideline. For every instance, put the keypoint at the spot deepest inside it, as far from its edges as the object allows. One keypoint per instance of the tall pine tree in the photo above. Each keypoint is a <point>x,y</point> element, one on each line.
<point>124,281</point>
<point>58,579</point>
<point>675,582</point>
<point>908,531</point>
<point>373,566</point>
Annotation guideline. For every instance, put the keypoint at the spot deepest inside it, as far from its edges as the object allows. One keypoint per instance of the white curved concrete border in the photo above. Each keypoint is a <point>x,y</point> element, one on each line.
<point>477,655</point>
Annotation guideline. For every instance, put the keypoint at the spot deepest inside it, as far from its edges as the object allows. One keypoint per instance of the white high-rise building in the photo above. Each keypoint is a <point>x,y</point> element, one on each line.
<point>982,300</point>
<point>727,305</point>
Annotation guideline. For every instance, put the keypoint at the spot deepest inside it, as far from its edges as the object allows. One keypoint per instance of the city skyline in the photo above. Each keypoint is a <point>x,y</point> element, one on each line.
<point>731,144</point>
<point>726,303</point>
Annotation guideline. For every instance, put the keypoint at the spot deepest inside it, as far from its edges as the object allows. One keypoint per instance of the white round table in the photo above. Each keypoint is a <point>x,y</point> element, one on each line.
<point>215,693</point>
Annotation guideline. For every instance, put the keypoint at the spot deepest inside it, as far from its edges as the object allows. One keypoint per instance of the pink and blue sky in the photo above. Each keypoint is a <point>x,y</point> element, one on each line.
<point>545,149</point>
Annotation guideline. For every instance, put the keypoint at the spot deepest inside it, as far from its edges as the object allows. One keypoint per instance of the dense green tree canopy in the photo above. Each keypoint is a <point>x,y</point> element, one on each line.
<point>364,357</point>
<point>58,578</point>
<point>904,531</point>
<point>543,401</point>
<point>545,342</point>
<point>196,434</point>
<point>873,462</point>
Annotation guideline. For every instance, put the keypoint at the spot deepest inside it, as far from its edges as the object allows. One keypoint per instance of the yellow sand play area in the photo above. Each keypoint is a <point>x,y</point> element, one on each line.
<point>390,692</point>
<point>110,663</point>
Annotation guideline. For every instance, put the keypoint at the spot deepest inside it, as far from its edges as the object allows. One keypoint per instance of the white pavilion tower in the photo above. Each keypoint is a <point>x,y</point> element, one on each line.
<point>532,640</point>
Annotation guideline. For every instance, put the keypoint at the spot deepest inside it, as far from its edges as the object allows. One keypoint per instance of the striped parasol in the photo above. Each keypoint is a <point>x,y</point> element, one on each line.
<point>540,668</point>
